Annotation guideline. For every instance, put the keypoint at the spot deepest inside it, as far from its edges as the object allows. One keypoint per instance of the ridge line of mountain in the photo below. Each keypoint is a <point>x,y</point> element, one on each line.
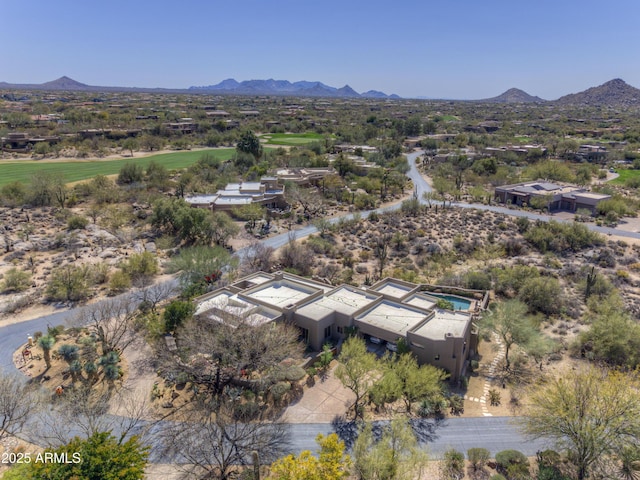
<point>615,92</point>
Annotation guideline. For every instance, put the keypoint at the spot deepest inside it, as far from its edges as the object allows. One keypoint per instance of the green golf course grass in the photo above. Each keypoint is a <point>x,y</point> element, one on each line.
<point>625,175</point>
<point>73,171</point>
<point>291,139</point>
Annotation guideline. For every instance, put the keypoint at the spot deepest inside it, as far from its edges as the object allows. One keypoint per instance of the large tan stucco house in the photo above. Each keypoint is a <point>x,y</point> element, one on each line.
<point>382,313</point>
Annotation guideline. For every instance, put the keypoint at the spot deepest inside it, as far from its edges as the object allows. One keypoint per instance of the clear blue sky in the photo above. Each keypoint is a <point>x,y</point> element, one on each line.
<point>462,49</point>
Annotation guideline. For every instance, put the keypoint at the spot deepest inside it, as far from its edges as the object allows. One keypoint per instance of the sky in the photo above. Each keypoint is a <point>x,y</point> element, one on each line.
<point>453,49</point>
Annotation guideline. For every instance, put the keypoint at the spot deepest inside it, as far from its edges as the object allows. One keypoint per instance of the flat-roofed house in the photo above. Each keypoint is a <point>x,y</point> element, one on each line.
<point>390,310</point>
<point>267,193</point>
<point>558,197</point>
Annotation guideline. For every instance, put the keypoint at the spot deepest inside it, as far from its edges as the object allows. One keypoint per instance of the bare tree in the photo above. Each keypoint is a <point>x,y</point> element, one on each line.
<point>214,442</point>
<point>155,294</point>
<point>82,411</point>
<point>18,402</point>
<point>310,200</point>
<point>111,321</point>
<point>214,350</point>
<point>256,257</point>
<point>297,256</point>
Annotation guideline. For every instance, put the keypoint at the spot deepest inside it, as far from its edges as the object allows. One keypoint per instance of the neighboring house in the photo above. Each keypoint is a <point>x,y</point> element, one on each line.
<point>592,153</point>
<point>183,126</point>
<point>304,176</point>
<point>385,312</point>
<point>557,197</point>
<point>267,192</point>
<point>521,151</point>
<point>23,142</point>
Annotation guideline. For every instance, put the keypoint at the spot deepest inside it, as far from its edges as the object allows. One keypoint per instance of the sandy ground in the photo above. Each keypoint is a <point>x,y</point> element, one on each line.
<point>115,156</point>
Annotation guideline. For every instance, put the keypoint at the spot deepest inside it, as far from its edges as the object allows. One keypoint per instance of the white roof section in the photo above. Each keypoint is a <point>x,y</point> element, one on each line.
<point>421,300</point>
<point>393,288</point>
<point>346,300</point>
<point>226,307</point>
<point>233,200</point>
<point>444,323</point>
<point>393,317</point>
<point>201,199</point>
<point>280,293</point>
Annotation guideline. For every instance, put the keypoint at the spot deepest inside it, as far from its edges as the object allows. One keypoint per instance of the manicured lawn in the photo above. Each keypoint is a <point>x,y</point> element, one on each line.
<point>625,175</point>
<point>291,139</point>
<point>73,171</point>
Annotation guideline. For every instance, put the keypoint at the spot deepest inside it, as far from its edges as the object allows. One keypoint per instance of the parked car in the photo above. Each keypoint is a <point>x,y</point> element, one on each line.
<point>375,340</point>
<point>392,347</point>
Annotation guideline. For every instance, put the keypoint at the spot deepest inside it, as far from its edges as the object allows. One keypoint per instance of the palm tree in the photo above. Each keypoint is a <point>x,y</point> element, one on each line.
<point>46,344</point>
<point>69,353</point>
<point>75,368</point>
<point>92,371</point>
<point>629,463</point>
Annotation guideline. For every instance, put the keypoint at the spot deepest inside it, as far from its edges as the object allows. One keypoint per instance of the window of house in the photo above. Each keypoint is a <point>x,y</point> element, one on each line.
<point>304,335</point>
<point>339,329</point>
<point>327,332</point>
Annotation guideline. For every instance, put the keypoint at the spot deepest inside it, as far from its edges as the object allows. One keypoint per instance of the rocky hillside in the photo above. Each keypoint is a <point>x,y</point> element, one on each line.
<point>615,93</point>
<point>514,95</point>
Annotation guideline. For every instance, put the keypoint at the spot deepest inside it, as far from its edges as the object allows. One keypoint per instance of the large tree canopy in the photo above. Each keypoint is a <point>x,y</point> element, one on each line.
<point>592,415</point>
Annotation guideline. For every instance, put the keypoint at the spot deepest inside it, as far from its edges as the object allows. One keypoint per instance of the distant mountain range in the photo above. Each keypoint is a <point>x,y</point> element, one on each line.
<point>612,93</point>
<point>285,87</point>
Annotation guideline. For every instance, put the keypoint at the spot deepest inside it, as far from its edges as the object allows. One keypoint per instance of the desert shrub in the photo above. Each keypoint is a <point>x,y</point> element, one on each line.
<point>477,281</point>
<point>549,466</point>
<point>176,313</point>
<point>141,267</point>
<point>279,390</point>
<point>509,280</point>
<point>542,294</point>
<point>70,283</point>
<point>15,280</point>
<point>456,404</point>
<point>453,465</point>
<point>77,222</point>
<point>559,237</point>
<point>130,173</point>
<point>120,282</point>
<point>618,206</point>
<point>100,273</point>
<point>444,304</point>
<point>513,464</point>
<point>478,457</point>
<point>13,194</point>
<point>319,245</point>
<point>294,373</point>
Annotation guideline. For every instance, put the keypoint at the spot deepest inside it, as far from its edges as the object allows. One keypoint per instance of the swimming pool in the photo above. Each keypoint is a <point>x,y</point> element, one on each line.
<point>459,303</point>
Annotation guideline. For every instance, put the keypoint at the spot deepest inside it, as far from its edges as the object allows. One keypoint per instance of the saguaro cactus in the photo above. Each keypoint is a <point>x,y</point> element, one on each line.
<point>591,281</point>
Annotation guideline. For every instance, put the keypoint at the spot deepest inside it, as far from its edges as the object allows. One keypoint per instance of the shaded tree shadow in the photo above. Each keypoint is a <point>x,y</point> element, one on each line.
<point>347,430</point>
<point>425,429</point>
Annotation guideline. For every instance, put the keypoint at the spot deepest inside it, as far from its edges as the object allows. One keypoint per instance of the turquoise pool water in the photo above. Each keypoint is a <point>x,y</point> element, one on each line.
<point>459,303</point>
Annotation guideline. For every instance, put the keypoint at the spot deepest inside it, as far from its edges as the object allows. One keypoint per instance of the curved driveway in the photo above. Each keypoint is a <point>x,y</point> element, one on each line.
<point>493,433</point>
